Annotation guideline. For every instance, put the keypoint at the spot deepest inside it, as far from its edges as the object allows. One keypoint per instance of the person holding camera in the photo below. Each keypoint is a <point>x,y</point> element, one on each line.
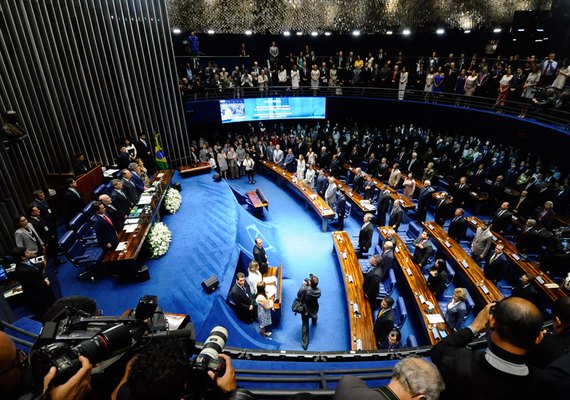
<point>309,295</point>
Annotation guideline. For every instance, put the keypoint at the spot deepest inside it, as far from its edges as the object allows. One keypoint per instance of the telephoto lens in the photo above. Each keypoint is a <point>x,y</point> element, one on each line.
<point>209,357</point>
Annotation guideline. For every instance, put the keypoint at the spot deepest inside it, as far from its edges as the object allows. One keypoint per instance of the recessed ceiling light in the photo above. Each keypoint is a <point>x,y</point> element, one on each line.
<point>389,32</point>
<point>467,31</point>
<point>497,30</point>
<point>286,33</point>
<point>356,33</point>
<point>248,32</point>
<point>520,30</point>
<point>514,40</point>
<point>176,31</point>
<point>327,33</point>
<point>314,33</point>
<point>538,40</point>
<point>440,31</point>
<point>539,30</point>
<point>211,32</point>
<point>299,33</point>
<point>406,32</point>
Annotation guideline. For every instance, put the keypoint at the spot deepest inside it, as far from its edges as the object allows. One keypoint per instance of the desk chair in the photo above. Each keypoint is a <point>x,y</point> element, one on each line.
<point>400,313</point>
<point>81,256</point>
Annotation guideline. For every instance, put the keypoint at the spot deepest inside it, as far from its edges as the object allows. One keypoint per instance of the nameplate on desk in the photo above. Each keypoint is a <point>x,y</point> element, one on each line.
<point>484,289</point>
<point>430,226</point>
<point>338,237</point>
<point>473,221</point>
<point>435,332</point>
<point>144,200</point>
<point>508,191</point>
<point>129,221</point>
<point>422,298</point>
<point>275,168</point>
<point>409,271</point>
<point>150,189</point>
<point>303,189</point>
<point>355,310</point>
<point>515,218</point>
<point>130,228</point>
<point>37,260</point>
<point>447,244</point>
<point>494,239</point>
<point>359,344</point>
<point>516,256</point>
<point>435,318</point>
<point>397,249</point>
<point>465,263</point>
<point>443,334</point>
<point>344,255</point>
<point>283,173</point>
<point>540,280</point>
<point>313,196</point>
<point>552,285</point>
<point>350,278</point>
<point>474,194</point>
<point>350,194</point>
<point>121,246</point>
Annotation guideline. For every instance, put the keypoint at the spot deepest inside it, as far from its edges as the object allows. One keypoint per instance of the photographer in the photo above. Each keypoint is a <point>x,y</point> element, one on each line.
<point>309,295</point>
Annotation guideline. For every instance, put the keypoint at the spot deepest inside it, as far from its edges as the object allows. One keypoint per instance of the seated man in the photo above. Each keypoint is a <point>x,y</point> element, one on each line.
<point>500,371</point>
<point>412,378</point>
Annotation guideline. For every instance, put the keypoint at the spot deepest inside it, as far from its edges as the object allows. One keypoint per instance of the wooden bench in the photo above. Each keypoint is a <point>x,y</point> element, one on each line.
<point>258,199</point>
<point>421,293</point>
<point>194,169</point>
<point>545,284</point>
<point>361,323</point>
<point>277,273</point>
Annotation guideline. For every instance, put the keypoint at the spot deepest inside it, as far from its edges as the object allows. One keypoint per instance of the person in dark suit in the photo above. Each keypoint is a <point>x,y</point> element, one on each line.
<point>502,218</point>
<point>80,165</point>
<point>358,181</point>
<point>456,310</point>
<point>479,177</point>
<point>73,202</point>
<point>242,299</point>
<point>129,187</point>
<point>369,187</point>
<point>527,290</point>
<point>35,285</point>
<point>135,170</point>
<point>461,192</point>
<point>396,215</point>
<point>385,321</point>
<point>259,255</point>
<point>120,198</point>
<point>382,207</point>
<point>458,226</point>
<point>387,257</point>
<point>414,164</point>
<point>309,294</point>
<point>423,250</point>
<point>441,211</point>
<point>437,278</point>
<point>113,212</point>
<point>45,233</point>
<point>496,191</point>
<point>529,239</point>
<point>144,151</point>
<point>341,209</point>
<point>497,264</point>
<point>372,279</point>
<point>424,199</point>
<point>365,235</point>
<point>524,205</point>
<point>104,228</point>
<point>124,158</point>
<point>322,183</point>
<point>47,213</point>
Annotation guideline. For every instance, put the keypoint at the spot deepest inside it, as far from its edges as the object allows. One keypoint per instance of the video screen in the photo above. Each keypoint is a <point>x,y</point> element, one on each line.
<point>261,109</point>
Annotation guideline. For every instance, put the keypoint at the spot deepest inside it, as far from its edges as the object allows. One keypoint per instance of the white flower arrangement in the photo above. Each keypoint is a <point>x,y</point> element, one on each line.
<point>172,201</point>
<point>159,239</point>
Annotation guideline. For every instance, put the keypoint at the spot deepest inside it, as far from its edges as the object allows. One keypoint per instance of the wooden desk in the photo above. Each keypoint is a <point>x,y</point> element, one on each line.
<point>353,197</point>
<point>361,326</point>
<point>394,195</point>
<point>194,169</point>
<point>417,283</point>
<point>136,239</point>
<point>313,199</point>
<point>525,266</point>
<point>258,199</point>
<point>486,290</point>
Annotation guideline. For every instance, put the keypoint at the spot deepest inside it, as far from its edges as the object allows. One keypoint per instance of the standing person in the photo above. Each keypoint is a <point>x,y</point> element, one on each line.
<point>315,77</point>
<point>330,193</point>
<point>395,176</point>
<point>497,264</point>
<point>232,164</point>
<point>249,165</point>
<point>103,227</point>
<point>264,308</point>
<point>481,242</point>
<point>242,299</point>
<point>402,83</point>
<point>423,250</point>
<point>458,226</point>
<point>45,233</point>
<point>365,235</point>
<point>456,310</point>
<point>259,255</point>
<point>423,200</point>
<point>27,237</point>
<point>253,276</point>
<point>301,165</point>
<point>409,186</point>
<point>310,176</point>
<point>73,202</point>
<point>274,55</point>
<point>309,295</point>
<point>396,215</point>
<point>385,321</point>
<point>341,209</point>
<point>223,164</point>
<point>437,278</point>
<point>372,279</point>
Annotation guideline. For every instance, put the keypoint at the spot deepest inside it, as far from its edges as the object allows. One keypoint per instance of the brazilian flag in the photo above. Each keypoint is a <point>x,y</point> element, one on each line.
<point>159,156</point>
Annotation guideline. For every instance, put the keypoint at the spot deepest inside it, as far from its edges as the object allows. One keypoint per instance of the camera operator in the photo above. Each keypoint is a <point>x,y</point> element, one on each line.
<point>162,371</point>
<point>309,294</point>
<point>16,381</point>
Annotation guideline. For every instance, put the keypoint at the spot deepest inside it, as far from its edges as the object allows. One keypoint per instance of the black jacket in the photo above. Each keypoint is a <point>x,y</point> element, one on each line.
<point>310,297</point>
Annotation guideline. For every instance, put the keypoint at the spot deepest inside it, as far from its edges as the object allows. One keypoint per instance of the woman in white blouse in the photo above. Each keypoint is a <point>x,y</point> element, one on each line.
<point>311,157</point>
<point>301,164</point>
<point>402,84</point>
<point>310,177</point>
<point>429,83</point>
<point>253,276</point>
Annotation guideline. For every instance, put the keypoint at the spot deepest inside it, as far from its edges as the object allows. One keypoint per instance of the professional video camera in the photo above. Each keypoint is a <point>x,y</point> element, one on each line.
<point>103,340</point>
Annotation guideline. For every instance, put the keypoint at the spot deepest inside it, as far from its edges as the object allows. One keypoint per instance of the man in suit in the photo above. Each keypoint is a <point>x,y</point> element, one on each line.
<point>423,201</point>
<point>47,213</point>
<point>524,205</point>
<point>387,257</point>
<point>35,285</point>
<point>113,212</point>
<point>144,151</point>
<point>441,211</point>
<point>414,164</point>
<point>278,156</point>
<point>502,218</point>
<point>458,226</point>
<point>383,170</point>
<point>130,187</point>
<point>309,294</point>
<point>73,202</point>
<point>80,165</point>
<point>341,209</point>
<point>496,191</point>
<point>259,255</point>
<point>45,233</point>
<point>135,170</point>
<point>322,183</point>
<point>120,198</point>
<point>372,279</point>
<point>124,158</point>
<point>529,239</point>
<point>323,159</point>
<point>358,180</point>
<point>396,215</point>
<point>481,242</point>
<point>423,249</point>
<point>527,290</point>
<point>104,228</point>
<point>437,277</point>
<point>497,264</point>
<point>385,321</point>
<point>330,193</point>
<point>461,192</point>
<point>382,207</point>
<point>242,299</point>
<point>365,235</point>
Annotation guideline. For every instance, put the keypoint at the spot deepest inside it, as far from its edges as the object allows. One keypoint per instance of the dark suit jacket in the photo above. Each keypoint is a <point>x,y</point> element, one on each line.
<point>371,285</point>
<point>422,254</point>
<point>357,184</point>
<point>383,325</point>
<point>365,238</point>
<point>260,257</point>
<point>437,283</point>
<point>383,205</point>
<point>123,160</point>
<point>457,229</point>
<point>529,241</point>
<point>340,206</point>
<point>106,233</point>
<point>500,224</point>
<point>242,299</point>
<point>495,271</point>
<point>321,186</point>
<point>441,212</point>
<point>138,182</point>
<point>36,291</point>
<point>387,262</point>
<point>73,204</point>
<point>121,203</point>
<point>454,316</point>
<point>310,297</point>
<point>130,191</point>
<point>47,214</point>
<point>460,195</point>
<point>525,208</point>
<point>396,217</point>
<point>116,216</point>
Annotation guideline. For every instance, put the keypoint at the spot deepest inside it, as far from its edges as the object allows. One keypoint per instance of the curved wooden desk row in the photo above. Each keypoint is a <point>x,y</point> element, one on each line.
<point>134,240</point>
<point>312,198</point>
<point>353,197</point>
<point>426,303</point>
<point>359,313</point>
<point>462,262</point>
<point>543,282</point>
<point>394,195</point>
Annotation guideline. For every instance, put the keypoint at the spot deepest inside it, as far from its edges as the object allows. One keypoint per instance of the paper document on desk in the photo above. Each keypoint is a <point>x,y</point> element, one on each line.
<point>130,228</point>
<point>435,318</point>
<point>110,172</point>
<point>129,221</point>
<point>552,285</point>
<point>144,200</point>
<point>121,246</point>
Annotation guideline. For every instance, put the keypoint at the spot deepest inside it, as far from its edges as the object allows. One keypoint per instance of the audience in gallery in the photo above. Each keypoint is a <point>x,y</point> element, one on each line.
<point>457,77</point>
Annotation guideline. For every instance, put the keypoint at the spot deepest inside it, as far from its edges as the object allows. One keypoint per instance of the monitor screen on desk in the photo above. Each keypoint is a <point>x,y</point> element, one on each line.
<point>262,109</point>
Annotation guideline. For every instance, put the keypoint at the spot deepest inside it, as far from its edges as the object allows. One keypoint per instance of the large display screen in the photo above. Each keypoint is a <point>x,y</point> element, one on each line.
<point>260,109</point>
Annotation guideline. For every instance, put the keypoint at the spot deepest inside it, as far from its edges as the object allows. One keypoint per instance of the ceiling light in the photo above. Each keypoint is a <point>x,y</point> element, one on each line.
<point>406,32</point>
<point>440,31</point>
<point>545,38</point>
<point>520,30</point>
<point>356,33</point>
<point>327,33</point>
<point>176,31</point>
<point>248,32</point>
<point>467,31</point>
<point>211,32</point>
<point>497,30</point>
<point>299,33</point>
<point>286,33</point>
<point>539,30</point>
<point>538,40</point>
<point>314,33</point>
<point>389,32</point>
<point>514,40</point>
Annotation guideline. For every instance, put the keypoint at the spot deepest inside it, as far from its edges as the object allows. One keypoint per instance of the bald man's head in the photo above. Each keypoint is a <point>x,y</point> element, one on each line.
<point>518,322</point>
<point>9,358</point>
<point>105,199</point>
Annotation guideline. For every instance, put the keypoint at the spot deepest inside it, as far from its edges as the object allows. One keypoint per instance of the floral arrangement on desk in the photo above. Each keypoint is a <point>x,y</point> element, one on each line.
<point>159,239</point>
<point>172,201</point>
